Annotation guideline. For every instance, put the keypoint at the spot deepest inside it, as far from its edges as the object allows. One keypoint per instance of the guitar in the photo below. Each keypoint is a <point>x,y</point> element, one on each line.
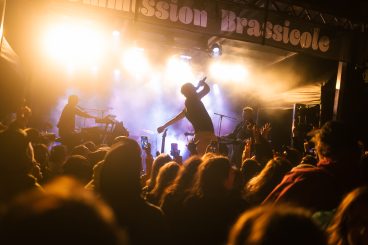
<point>163,141</point>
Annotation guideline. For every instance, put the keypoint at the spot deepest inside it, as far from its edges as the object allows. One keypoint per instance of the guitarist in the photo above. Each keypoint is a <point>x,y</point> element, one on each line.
<point>197,114</point>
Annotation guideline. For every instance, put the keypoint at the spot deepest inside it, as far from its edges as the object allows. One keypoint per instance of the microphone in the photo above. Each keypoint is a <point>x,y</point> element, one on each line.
<point>200,83</point>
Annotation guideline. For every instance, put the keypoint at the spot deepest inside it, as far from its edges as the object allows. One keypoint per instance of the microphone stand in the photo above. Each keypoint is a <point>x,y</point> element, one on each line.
<point>220,122</point>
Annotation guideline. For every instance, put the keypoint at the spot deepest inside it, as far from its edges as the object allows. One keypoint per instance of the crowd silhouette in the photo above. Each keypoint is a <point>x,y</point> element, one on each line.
<point>100,194</point>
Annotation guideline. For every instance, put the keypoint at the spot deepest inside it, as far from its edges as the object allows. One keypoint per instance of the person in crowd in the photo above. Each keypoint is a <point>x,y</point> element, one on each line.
<point>94,183</point>
<point>349,225</point>
<point>78,167</point>
<point>41,155</point>
<point>259,187</point>
<point>197,114</point>
<point>249,169</point>
<point>80,150</point>
<point>16,165</point>
<point>293,155</point>
<point>337,172</point>
<point>174,196</point>
<point>160,161</point>
<point>96,156</point>
<point>66,122</point>
<point>64,213</point>
<point>90,145</point>
<point>58,155</point>
<point>211,208</point>
<point>165,178</point>
<point>282,224</point>
<point>120,187</point>
<point>23,115</point>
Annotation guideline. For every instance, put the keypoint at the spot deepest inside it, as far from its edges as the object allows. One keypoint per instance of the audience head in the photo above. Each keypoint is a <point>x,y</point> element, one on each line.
<point>186,175</point>
<point>350,223</point>
<point>266,225</point>
<point>249,169</point>
<point>335,140</point>
<point>165,178</point>
<point>120,171</point>
<point>271,174</point>
<point>215,177</point>
<point>63,214</point>
<point>41,153</point>
<point>81,150</point>
<point>78,167</point>
<point>58,153</point>
<point>96,156</point>
<point>293,155</point>
<point>16,153</point>
<point>160,161</point>
<point>90,145</point>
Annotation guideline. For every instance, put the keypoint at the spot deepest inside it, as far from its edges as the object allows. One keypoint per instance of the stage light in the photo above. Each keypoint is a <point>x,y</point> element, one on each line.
<point>215,50</point>
<point>216,89</point>
<point>178,70</point>
<point>73,42</point>
<point>116,33</point>
<point>185,57</point>
<point>227,72</point>
<point>135,61</point>
<point>94,69</point>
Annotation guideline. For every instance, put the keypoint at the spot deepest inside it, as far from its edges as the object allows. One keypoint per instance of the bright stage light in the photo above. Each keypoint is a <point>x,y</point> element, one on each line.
<point>229,72</point>
<point>135,62</point>
<point>179,70</point>
<point>116,33</point>
<point>215,50</point>
<point>77,43</point>
<point>216,89</point>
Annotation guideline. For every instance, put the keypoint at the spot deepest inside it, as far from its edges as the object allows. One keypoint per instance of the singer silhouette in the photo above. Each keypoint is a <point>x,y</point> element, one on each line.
<point>197,115</point>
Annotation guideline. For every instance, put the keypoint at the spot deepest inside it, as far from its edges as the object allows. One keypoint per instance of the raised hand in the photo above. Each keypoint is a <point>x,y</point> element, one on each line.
<point>265,130</point>
<point>160,129</point>
<point>201,82</point>
<point>247,149</point>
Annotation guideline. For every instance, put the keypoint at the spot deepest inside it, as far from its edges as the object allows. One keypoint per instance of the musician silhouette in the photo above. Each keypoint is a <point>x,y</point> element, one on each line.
<point>66,122</point>
<point>242,131</point>
<point>197,114</point>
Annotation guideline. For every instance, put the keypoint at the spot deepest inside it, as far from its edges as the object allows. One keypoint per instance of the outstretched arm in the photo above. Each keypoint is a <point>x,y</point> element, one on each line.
<point>205,90</point>
<point>83,114</point>
<point>177,118</point>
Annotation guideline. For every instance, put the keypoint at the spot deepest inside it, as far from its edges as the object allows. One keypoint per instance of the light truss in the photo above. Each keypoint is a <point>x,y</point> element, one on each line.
<point>304,13</point>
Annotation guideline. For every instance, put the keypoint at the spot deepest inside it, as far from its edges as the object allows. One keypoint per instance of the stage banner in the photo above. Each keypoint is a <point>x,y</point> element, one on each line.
<point>234,21</point>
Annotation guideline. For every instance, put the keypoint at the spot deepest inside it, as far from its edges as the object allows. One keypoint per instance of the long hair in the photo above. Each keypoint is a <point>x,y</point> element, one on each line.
<point>186,175</point>
<point>165,178</point>
<point>344,219</point>
<point>267,225</point>
<point>211,176</point>
<point>260,186</point>
<point>160,161</point>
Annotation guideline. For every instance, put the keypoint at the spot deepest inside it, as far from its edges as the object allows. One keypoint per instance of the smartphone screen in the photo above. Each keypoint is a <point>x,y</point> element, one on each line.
<point>174,149</point>
<point>144,142</point>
